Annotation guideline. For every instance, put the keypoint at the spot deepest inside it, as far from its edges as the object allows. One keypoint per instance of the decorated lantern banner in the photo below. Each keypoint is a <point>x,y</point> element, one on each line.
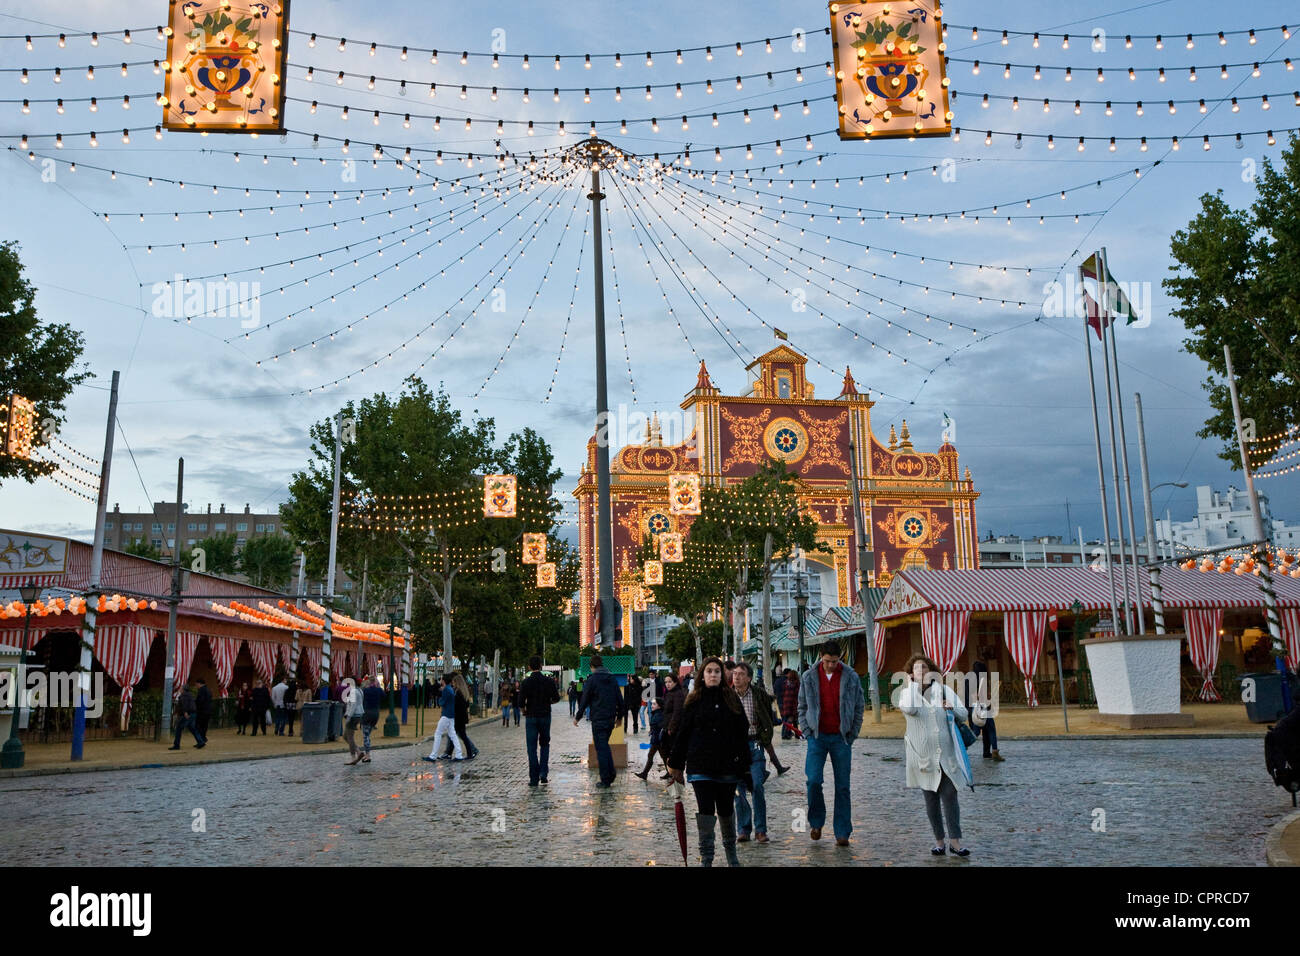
<point>670,547</point>
<point>18,427</point>
<point>889,70</point>
<point>499,496</point>
<point>654,572</point>
<point>534,548</point>
<point>568,606</point>
<point>639,600</point>
<point>546,575</point>
<point>225,66</point>
<point>684,494</point>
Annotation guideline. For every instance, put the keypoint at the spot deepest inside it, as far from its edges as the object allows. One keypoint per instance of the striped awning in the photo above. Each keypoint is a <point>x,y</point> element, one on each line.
<point>1031,589</point>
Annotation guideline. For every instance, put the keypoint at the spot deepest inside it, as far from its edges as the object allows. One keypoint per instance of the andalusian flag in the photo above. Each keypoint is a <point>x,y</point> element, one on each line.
<point>1095,319</point>
<point>1119,301</point>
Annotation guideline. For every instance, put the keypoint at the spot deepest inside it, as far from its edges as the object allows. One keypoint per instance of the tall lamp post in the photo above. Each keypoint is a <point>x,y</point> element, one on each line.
<point>12,756</point>
<point>800,615</point>
<point>391,726</point>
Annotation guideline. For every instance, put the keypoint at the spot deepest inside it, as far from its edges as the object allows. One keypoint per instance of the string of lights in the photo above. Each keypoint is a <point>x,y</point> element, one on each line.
<point>1265,102</point>
<point>618,303</point>
<point>522,243</point>
<point>1113,141</point>
<point>1093,41</point>
<point>546,273</point>
<point>1132,72</point>
<point>457,259</point>
<point>568,318</point>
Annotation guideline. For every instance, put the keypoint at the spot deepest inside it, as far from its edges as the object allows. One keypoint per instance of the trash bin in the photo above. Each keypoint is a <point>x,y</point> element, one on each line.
<point>315,717</point>
<point>1267,703</point>
<point>336,720</point>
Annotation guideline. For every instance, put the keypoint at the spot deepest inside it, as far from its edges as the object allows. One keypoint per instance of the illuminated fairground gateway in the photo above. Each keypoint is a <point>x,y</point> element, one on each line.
<point>922,508</point>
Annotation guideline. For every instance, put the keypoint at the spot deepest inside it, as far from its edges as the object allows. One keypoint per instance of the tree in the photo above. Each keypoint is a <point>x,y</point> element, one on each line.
<point>141,548</point>
<point>38,362</point>
<point>412,486</point>
<point>219,555</point>
<point>686,643</point>
<point>1236,281</point>
<point>268,561</point>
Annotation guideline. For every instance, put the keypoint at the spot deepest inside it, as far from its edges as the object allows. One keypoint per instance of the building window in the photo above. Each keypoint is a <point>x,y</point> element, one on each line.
<point>347,585</point>
<point>239,542</point>
<point>171,526</point>
<point>171,542</point>
<point>192,527</point>
<point>219,526</point>
<point>203,526</point>
<point>190,542</point>
<point>261,528</point>
<point>271,527</point>
<point>139,526</point>
<point>156,527</point>
<point>241,526</point>
<point>156,542</point>
<point>108,525</point>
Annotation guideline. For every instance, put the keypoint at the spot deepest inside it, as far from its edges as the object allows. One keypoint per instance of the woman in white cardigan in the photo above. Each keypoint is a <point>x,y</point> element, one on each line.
<point>931,759</point>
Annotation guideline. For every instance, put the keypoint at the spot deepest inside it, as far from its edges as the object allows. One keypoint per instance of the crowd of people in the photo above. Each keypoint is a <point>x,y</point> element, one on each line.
<point>713,730</point>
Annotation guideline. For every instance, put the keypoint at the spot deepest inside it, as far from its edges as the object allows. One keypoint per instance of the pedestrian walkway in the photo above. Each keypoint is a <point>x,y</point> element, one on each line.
<point>1111,802</point>
<point>1046,720</point>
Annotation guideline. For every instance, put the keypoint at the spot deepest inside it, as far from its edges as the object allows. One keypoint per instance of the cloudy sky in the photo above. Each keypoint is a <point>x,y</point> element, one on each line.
<point>488,290</point>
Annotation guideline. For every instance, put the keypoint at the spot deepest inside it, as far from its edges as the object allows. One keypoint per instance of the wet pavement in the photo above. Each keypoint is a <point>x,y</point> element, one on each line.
<point>1144,802</point>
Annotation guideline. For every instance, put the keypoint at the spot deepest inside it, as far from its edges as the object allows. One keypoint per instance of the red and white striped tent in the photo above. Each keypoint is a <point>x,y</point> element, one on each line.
<point>943,602</point>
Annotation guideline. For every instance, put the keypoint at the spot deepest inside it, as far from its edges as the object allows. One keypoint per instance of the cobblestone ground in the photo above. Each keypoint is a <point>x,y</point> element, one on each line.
<point>1165,803</point>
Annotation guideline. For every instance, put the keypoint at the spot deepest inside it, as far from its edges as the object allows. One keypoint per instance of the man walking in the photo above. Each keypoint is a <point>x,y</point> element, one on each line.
<point>831,707</point>
<point>277,705</point>
<point>758,713</point>
<point>202,709</point>
<point>185,709</point>
<point>537,693</point>
<point>261,704</point>
<point>602,697</point>
<point>446,723</point>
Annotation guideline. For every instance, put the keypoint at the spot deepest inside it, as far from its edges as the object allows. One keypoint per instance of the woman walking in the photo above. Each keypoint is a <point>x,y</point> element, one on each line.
<point>372,697</point>
<point>243,707</point>
<point>462,715</point>
<point>354,710</point>
<point>931,759</point>
<point>506,688</point>
<point>711,745</point>
<point>663,713</point>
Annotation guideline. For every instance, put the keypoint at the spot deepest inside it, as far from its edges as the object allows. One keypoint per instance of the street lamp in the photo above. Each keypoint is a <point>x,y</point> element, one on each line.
<point>391,727</point>
<point>800,612</point>
<point>11,755</point>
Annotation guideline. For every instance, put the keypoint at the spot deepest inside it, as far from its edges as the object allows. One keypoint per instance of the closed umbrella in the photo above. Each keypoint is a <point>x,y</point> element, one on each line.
<point>680,813</point>
<point>959,746</point>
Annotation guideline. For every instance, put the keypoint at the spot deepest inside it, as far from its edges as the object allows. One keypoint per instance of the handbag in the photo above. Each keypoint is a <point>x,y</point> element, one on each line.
<point>967,735</point>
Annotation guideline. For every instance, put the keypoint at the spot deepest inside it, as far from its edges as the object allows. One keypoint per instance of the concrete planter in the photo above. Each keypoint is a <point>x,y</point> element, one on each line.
<point>1136,679</point>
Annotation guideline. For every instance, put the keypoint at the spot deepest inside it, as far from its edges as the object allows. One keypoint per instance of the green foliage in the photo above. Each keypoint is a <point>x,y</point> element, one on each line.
<point>268,561</point>
<point>39,362</point>
<point>218,554</point>
<point>679,643</point>
<point>141,548</point>
<point>1235,281</point>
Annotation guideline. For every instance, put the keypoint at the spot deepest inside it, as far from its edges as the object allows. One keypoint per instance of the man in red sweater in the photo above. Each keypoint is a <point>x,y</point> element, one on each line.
<point>831,708</point>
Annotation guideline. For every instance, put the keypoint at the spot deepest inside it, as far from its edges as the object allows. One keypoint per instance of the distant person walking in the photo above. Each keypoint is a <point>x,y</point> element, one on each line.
<point>659,722</point>
<point>710,748</point>
<point>601,696</point>
<point>372,698</point>
<point>514,702</point>
<point>931,756</point>
<point>277,705</point>
<point>758,716</point>
<point>202,709</point>
<point>831,707</point>
<point>989,731</point>
<point>505,694</point>
<point>538,692</point>
<point>290,705</point>
<point>185,710</point>
<point>354,711</point>
<point>463,696</point>
<point>573,697</point>
<point>790,705</point>
<point>261,704</point>
<point>632,703</point>
<point>446,723</point>
<point>243,708</point>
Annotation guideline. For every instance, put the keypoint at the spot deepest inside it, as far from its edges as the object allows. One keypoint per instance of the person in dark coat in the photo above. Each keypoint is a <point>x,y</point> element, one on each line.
<point>185,708</point>
<point>711,746</point>
<point>537,693</point>
<point>601,695</point>
<point>989,730</point>
<point>202,709</point>
<point>790,706</point>
<point>632,704</point>
<point>664,710</point>
<point>261,704</point>
<point>573,697</point>
<point>461,721</point>
<point>290,704</point>
<point>243,707</point>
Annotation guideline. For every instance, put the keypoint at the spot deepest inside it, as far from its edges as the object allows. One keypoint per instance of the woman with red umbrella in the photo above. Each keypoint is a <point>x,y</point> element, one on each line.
<point>711,747</point>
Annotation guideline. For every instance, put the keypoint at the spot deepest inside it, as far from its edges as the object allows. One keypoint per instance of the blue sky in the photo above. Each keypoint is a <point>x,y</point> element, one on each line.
<point>1015,389</point>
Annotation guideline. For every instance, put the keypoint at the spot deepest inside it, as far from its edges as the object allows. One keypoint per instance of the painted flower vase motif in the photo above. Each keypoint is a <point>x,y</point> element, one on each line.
<point>224,74</point>
<point>894,80</point>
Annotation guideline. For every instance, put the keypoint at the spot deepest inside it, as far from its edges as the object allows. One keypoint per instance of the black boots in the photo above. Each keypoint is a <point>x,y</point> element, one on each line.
<point>704,824</point>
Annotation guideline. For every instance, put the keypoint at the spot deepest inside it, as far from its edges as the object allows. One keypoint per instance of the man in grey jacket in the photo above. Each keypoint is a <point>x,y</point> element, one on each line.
<point>831,708</point>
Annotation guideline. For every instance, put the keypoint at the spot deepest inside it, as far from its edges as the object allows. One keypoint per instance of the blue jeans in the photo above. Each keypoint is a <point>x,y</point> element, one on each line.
<point>814,764</point>
<point>604,756</point>
<point>516,709</point>
<point>990,734</point>
<point>747,822</point>
<point>537,733</point>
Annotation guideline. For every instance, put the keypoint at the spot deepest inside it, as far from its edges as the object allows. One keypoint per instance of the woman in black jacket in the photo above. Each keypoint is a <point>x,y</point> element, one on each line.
<point>711,744</point>
<point>664,711</point>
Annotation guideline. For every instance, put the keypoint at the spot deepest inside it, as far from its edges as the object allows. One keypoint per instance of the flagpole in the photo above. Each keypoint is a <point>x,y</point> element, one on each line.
<point>1104,305</point>
<point>1101,468</point>
<point>1123,446</point>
